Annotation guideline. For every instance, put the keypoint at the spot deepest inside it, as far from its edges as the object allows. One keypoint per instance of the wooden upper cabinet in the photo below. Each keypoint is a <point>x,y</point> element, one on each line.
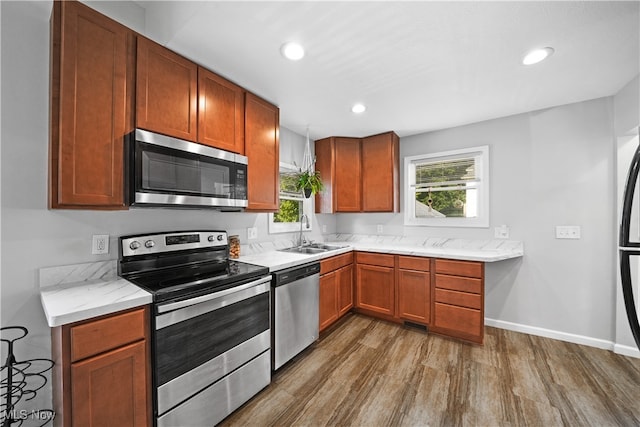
<point>92,75</point>
<point>220,112</point>
<point>325,164</point>
<point>166,91</point>
<point>380,173</point>
<point>348,175</point>
<point>262,148</point>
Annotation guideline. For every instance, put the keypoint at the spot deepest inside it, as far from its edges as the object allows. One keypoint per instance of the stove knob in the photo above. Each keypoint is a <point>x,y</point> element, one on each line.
<point>220,237</point>
<point>210,238</point>
<point>149,244</point>
<point>134,245</point>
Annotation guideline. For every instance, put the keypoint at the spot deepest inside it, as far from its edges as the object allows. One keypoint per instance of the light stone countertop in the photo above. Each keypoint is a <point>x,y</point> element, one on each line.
<point>466,250</point>
<point>83,291</point>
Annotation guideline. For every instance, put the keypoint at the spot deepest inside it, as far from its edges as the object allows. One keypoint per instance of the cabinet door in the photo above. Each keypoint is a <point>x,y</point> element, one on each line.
<point>380,173</point>
<point>375,289</point>
<point>328,299</point>
<point>92,72</point>
<point>220,112</point>
<point>348,175</point>
<point>262,147</point>
<point>166,91</point>
<point>414,288</point>
<point>110,389</point>
<point>345,290</point>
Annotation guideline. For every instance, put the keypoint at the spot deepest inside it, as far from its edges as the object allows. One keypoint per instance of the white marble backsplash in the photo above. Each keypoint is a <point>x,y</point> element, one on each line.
<point>77,273</point>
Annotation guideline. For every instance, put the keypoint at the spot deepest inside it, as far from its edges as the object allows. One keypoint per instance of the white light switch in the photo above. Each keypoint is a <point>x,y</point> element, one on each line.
<point>568,232</point>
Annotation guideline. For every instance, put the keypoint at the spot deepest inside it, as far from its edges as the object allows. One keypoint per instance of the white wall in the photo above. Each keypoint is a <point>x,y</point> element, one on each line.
<point>549,167</point>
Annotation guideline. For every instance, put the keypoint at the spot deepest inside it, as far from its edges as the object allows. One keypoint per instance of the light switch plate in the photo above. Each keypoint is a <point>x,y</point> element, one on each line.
<point>568,232</point>
<point>100,244</point>
<point>252,233</point>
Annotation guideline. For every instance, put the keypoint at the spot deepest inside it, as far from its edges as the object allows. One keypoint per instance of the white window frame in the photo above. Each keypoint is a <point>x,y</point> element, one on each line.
<point>307,208</point>
<point>481,153</point>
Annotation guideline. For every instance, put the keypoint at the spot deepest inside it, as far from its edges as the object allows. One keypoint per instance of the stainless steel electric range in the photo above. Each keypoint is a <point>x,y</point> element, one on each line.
<point>211,325</point>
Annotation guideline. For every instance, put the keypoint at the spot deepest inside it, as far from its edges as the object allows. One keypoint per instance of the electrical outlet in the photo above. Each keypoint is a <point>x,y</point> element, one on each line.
<point>100,244</point>
<point>252,233</point>
<point>324,228</point>
<point>380,228</point>
<point>501,232</point>
<point>568,232</point>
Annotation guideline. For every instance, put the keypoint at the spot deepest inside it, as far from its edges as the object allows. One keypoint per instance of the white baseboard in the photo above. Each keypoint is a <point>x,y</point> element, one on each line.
<point>563,336</point>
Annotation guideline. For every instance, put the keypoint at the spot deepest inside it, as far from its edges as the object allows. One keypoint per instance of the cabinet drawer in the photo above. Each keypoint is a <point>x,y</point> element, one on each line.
<point>460,319</point>
<point>374,259</point>
<point>330,264</point>
<point>106,334</point>
<point>414,263</point>
<point>463,299</point>
<point>459,268</point>
<point>456,283</point>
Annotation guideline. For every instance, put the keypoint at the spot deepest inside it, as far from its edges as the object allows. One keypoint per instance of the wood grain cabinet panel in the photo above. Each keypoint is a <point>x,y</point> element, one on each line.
<point>106,384</point>
<point>345,290</point>
<point>375,289</point>
<point>111,389</point>
<point>348,175</point>
<point>380,173</point>
<point>336,288</point>
<point>458,308</point>
<point>166,91</point>
<point>328,299</point>
<point>220,112</point>
<point>414,302</point>
<point>262,147</point>
<point>92,75</point>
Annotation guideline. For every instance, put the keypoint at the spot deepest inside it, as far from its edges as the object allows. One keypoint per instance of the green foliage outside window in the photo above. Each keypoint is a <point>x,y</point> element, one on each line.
<point>450,203</point>
<point>289,211</point>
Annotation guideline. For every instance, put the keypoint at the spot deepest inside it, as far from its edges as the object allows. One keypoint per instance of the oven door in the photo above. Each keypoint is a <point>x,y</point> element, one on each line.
<point>211,353</point>
<point>166,171</point>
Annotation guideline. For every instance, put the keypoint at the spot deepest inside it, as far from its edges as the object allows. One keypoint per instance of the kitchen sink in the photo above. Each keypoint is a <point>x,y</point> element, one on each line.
<point>313,248</point>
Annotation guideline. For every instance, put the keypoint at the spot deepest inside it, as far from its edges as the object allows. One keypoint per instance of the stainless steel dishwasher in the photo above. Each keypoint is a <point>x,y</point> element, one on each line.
<point>295,311</point>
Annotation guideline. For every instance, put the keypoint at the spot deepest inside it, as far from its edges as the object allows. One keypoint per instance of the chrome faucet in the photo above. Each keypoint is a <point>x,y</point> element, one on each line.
<point>304,220</point>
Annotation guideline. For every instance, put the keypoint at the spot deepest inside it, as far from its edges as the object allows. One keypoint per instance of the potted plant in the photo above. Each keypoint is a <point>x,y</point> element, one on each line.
<point>309,183</point>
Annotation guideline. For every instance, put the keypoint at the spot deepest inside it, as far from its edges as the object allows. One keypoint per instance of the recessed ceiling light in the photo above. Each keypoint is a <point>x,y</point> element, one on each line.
<point>537,55</point>
<point>358,108</point>
<point>292,51</point>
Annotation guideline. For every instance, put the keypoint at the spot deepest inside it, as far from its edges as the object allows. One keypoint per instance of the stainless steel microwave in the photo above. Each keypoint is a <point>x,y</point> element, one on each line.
<point>169,172</point>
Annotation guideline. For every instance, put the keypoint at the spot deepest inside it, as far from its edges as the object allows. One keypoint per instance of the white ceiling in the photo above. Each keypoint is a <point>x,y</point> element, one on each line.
<point>418,66</point>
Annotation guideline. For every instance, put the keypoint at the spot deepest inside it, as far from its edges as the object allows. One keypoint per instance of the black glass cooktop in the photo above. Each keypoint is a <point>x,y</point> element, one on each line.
<point>192,280</point>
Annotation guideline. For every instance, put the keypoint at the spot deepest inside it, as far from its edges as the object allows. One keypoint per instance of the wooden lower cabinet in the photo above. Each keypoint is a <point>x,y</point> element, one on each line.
<point>414,289</point>
<point>336,288</point>
<point>375,283</point>
<point>458,309</point>
<point>102,374</point>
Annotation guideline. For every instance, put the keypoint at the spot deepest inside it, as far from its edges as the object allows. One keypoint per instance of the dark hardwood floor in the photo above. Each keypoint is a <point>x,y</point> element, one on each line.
<point>367,372</point>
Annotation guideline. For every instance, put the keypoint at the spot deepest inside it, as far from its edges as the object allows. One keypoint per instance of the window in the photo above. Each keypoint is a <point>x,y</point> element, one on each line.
<point>448,189</point>
<point>292,204</point>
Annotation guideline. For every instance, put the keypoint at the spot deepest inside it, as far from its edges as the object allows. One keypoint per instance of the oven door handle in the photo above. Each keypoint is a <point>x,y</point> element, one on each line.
<point>192,301</point>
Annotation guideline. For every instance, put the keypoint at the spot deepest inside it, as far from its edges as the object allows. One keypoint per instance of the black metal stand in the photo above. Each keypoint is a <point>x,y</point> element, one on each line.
<point>21,379</point>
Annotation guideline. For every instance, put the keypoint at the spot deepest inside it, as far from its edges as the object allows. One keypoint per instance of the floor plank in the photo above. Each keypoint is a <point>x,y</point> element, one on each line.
<point>367,372</point>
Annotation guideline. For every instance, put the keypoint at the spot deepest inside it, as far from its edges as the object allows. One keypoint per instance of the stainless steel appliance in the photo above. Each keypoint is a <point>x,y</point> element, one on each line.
<point>629,248</point>
<point>211,334</point>
<point>295,311</point>
<point>171,172</point>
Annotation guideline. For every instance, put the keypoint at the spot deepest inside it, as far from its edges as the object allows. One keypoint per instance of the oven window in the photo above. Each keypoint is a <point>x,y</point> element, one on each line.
<point>164,172</point>
<point>190,343</point>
